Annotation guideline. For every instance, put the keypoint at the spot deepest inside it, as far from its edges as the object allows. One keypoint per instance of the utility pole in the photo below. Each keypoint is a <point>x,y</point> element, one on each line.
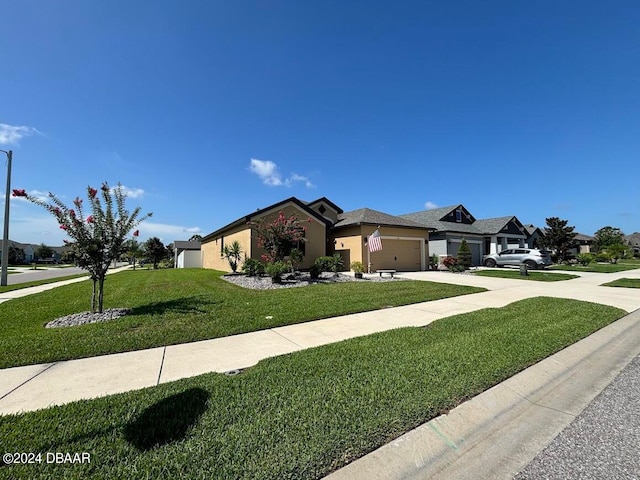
<point>5,239</point>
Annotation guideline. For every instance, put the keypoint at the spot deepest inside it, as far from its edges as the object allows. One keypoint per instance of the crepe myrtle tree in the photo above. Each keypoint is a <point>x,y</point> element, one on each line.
<point>280,236</point>
<point>97,239</point>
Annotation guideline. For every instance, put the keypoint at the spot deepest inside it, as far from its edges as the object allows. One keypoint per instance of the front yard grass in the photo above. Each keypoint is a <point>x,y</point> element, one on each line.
<point>598,267</point>
<point>533,275</point>
<point>302,415</point>
<point>183,305</point>
<point>624,282</point>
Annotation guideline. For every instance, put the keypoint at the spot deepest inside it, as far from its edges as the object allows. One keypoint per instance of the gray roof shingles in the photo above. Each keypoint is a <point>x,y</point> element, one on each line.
<point>367,216</point>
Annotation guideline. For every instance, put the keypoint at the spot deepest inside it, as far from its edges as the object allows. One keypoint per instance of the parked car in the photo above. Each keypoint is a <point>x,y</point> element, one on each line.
<point>531,257</point>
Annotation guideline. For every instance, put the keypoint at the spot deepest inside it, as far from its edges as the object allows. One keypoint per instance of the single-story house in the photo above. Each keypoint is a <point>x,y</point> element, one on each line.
<point>186,254</point>
<point>329,230</point>
<point>584,243</point>
<point>534,234</point>
<point>405,244</point>
<point>452,224</point>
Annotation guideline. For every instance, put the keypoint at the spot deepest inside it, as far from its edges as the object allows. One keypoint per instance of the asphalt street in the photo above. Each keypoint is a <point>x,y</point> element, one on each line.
<point>602,443</point>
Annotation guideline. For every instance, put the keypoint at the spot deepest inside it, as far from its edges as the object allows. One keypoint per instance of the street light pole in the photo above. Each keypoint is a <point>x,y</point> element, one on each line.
<point>5,239</point>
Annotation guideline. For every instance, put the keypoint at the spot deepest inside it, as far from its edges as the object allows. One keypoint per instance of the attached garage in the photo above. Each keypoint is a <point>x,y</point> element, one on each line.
<point>404,243</point>
<point>400,255</point>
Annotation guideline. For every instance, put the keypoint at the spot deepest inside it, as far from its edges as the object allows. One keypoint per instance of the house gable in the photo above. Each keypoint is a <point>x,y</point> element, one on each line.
<point>444,220</point>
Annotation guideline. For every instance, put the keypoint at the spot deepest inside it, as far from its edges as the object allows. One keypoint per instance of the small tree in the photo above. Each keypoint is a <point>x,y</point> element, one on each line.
<point>16,256</point>
<point>154,250</point>
<point>279,237</point>
<point>133,251</point>
<point>464,255</point>
<point>558,236</point>
<point>97,239</point>
<point>43,252</point>
<point>232,253</point>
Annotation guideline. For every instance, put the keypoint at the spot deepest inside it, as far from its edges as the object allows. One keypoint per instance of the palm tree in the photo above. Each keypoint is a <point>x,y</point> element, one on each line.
<point>232,253</point>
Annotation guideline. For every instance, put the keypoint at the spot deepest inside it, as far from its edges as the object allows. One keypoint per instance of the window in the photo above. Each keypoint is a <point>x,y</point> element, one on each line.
<point>458,215</point>
<point>322,209</point>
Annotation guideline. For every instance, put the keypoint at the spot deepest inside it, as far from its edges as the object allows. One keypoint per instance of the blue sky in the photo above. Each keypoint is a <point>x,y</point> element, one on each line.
<point>208,110</point>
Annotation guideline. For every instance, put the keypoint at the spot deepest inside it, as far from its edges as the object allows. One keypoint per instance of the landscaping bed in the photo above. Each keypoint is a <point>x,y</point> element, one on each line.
<point>302,415</point>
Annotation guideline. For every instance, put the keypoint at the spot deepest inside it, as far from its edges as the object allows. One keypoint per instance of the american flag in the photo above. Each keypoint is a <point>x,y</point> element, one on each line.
<point>375,242</point>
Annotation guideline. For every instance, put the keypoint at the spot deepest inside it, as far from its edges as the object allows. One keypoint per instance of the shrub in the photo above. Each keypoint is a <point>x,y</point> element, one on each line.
<point>357,267</point>
<point>464,255</point>
<point>585,259</point>
<point>276,269</point>
<point>314,272</point>
<point>252,267</point>
<point>336,263</point>
<point>295,258</point>
<point>603,257</point>
<point>434,262</point>
<point>452,264</point>
<point>323,263</point>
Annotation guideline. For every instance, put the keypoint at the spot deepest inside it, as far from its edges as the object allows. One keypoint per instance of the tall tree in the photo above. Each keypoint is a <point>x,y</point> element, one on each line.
<point>607,236</point>
<point>154,250</point>
<point>97,239</point>
<point>16,255</point>
<point>558,236</point>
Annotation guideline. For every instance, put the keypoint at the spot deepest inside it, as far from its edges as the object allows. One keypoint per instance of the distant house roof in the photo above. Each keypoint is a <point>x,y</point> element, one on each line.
<point>186,244</point>
<point>247,218</point>
<point>327,201</point>
<point>633,239</point>
<point>433,219</point>
<point>531,229</point>
<point>366,216</point>
<point>492,226</point>
<point>584,238</point>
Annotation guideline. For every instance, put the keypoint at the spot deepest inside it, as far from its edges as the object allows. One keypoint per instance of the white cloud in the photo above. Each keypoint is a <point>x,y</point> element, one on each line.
<point>12,134</point>
<point>294,177</point>
<point>165,232</point>
<point>132,192</point>
<point>267,171</point>
<point>430,205</point>
<point>270,175</point>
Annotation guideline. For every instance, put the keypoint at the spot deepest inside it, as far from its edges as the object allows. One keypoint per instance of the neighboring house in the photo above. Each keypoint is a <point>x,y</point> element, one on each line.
<point>633,241</point>
<point>502,233</point>
<point>25,247</point>
<point>584,244</point>
<point>534,234</point>
<point>404,242</point>
<point>187,254</point>
<point>450,225</point>
<point>329,230</point>
<point>454,223</point>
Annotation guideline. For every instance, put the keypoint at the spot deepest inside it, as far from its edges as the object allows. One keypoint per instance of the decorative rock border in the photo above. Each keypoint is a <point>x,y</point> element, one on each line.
<point>88,317</point>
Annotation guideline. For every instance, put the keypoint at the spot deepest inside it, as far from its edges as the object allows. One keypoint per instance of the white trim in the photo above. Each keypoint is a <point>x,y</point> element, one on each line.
<point>459,240</point>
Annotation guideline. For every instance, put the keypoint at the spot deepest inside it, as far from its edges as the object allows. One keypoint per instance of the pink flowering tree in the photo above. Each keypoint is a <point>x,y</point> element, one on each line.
<point>97,236</point>
<point>279,237</point>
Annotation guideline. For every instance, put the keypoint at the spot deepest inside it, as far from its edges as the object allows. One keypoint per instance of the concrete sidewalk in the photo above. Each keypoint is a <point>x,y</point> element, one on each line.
<point>39,386</point>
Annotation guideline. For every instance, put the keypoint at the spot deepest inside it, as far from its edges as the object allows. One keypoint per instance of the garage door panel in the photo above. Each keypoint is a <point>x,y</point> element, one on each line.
<point>401,255</point>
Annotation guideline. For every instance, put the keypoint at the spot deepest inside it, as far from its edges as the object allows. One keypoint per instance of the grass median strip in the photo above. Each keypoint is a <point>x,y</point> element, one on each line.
<point>184,305</point>
<point>305,414</point>
<point>624,282</point>
<point>35,283</point>
<point>533,275</point>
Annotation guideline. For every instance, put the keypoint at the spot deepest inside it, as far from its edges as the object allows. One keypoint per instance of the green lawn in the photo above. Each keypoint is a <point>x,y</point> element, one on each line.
<point>533,275</point>
<point>303,415</point>
<point>182,305</point>
<point>598,267</point>
<point>624,282</point>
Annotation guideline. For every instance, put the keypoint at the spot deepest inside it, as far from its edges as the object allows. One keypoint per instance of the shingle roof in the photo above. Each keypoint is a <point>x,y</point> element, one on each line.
<point>495,225</point>
<point>366,216</point>
<point>187,244</point>
<point>431,219</point>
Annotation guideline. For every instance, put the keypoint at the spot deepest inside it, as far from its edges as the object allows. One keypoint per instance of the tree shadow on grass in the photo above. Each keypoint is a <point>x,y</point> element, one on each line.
<point>168,420</point>
<point>194,304</point>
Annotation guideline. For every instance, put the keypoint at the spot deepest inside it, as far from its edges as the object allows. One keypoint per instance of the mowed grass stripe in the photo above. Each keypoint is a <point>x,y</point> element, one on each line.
<point>300,416</point>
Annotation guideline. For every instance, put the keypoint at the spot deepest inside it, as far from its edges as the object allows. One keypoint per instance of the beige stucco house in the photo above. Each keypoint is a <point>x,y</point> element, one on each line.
<point>329,230</point>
